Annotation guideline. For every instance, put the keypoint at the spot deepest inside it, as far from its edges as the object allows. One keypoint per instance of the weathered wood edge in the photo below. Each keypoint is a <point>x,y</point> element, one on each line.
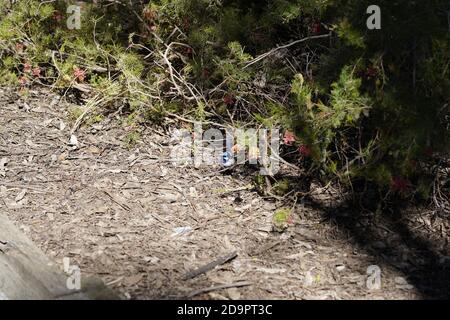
<point>26,273</point>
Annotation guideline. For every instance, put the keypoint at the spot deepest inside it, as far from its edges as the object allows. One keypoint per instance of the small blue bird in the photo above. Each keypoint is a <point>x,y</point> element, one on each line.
<point>227,159</point>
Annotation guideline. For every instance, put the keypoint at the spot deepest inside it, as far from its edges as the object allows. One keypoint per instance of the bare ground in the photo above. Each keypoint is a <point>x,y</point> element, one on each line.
<point>117,210</point>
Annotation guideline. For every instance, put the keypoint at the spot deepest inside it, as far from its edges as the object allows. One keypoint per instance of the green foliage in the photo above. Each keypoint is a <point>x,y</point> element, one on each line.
<point>131,139</point>
<point>281,219</point>
<point>364,104</point>
<point>281,188</point>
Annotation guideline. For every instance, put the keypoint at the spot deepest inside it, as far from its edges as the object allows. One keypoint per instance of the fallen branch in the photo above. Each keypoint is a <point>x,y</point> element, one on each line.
<point>269,53</point>
<point>210,266</point>
<point>122,205</point>
<point>265,248</point>
<point>244,188</point>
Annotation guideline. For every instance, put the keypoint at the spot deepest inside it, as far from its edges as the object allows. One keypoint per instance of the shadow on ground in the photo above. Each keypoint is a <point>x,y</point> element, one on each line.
<point>391,237</point>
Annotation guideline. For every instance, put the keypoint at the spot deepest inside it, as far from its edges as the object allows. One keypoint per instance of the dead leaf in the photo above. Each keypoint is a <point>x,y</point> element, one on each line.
<point>21,195</point>
<point>180,231</point>
<point>62,125</point>
<point>73,142</point>
<point>193,192</point>
<point>94,150</point>
<point>62,157</point>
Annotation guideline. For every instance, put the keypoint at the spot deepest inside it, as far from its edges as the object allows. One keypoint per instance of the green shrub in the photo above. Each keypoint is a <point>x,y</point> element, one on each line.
<point>363,105</point>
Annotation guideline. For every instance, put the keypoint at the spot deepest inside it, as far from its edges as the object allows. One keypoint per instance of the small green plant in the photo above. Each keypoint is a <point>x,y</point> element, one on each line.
<point>75,113</point>
<point>281,188</point>
<point>281,219</point>
<point>259,181</point>
<point>95,118</point>
<point>131,139</point>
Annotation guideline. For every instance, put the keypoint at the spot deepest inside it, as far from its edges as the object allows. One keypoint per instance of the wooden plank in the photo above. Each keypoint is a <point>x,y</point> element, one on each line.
<point>26,273</point>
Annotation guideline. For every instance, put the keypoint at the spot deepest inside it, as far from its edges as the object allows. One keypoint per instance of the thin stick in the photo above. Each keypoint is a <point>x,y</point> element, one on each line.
<point>122,205</point>
<point>195,122</point>
<point>247,187</point>
<point>269,53</point>
<point>210,266</point>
